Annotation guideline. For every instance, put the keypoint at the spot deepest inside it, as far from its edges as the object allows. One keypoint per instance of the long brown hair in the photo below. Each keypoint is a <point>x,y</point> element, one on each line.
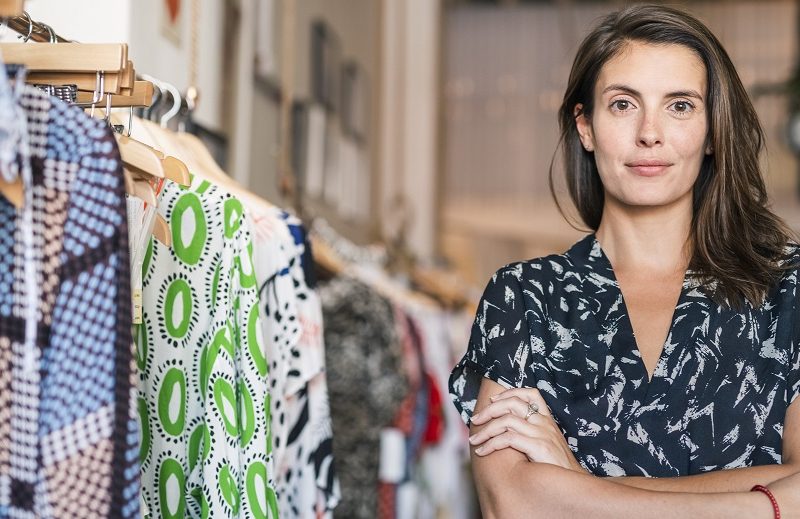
<point>737,242</point>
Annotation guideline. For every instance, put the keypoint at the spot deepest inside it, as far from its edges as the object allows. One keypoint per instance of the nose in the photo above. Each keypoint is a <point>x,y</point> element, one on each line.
<point>649,133</point>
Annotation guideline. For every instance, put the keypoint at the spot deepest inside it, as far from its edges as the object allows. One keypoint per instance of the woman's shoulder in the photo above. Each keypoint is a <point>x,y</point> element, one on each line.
<point>553,267</point>
<point>536,280</point>
<point>536,270</point>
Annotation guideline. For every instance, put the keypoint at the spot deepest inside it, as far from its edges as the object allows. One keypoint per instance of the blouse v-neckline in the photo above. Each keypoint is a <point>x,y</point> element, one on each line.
<point>626,348</point>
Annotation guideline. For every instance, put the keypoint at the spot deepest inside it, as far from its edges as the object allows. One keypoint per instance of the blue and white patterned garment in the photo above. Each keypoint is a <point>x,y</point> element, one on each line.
<point>719,393</point>
<point>68,433</point>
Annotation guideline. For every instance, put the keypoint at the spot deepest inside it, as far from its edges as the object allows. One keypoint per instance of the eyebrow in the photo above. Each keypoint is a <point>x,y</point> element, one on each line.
<point>678,93</point>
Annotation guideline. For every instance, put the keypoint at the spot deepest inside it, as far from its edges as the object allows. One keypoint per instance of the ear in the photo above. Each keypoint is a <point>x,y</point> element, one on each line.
<point>584,127</point>
<point>709,149</point>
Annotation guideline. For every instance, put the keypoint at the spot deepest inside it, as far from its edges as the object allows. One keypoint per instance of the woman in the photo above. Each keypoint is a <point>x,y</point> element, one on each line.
<point>677,399</point>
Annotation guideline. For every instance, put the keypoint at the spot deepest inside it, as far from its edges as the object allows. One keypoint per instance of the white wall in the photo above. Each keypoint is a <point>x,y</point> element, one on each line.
<point>108,22</point>
<point>158,56</point>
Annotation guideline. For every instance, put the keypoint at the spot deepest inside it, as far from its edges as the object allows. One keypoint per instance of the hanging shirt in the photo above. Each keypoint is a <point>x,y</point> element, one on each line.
<point>204,403</point>
<point>717,398</point>
<point>68,439</point>
<point>305,479</point>
<point>366,384</point>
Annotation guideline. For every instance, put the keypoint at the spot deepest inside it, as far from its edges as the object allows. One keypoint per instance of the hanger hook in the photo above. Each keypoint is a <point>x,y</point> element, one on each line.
<point>53,38</point>
<point>107,118</point>
<point>30,26</point>
<point>158,94</point>
<point>99,87</point>
<point>158,98</point>
<point>176,104</point>
<point>97,95</point>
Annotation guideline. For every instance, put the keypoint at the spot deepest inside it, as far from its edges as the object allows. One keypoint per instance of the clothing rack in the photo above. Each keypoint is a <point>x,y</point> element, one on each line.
<point>92,75</point>
<point>334,253</point>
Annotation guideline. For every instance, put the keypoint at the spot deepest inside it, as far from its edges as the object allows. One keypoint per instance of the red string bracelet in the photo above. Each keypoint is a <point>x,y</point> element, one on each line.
<point>764,490</point>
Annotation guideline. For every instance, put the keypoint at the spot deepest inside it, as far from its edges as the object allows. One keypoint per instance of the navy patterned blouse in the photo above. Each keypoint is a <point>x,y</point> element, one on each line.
<point>719,393</point>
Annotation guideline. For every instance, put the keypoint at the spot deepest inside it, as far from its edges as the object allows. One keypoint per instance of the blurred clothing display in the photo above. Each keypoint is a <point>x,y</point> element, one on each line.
<point>400,448</point>
<point>366,386</point>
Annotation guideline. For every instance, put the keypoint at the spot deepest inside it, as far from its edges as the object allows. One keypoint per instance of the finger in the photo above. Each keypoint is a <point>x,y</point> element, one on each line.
<point>527,394</point>
<point>519,392</point>
<point>533,448</point>
<point>504,423</point>
<point>502,407</point>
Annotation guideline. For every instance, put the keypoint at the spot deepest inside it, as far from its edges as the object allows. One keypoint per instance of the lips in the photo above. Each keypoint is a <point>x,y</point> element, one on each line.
<point>648,168</point>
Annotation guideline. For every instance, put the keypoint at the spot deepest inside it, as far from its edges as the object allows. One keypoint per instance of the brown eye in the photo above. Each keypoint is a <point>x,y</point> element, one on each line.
<point>682,107</point>
<point>621,105</point>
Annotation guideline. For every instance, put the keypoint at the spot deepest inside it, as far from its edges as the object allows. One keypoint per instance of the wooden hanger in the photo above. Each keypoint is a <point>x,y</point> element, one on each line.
<point>67,57</point>
<point>326,257</point>
<point>176,171</point>
<point>443,285</point>
<point>138,156</point>
<point>173,168</point>
<point>143,190</point>
<point>85,82</point>
<point>74,64</point>
<point>189,148</point>
<point>136,185</point>
<point>141,96</point>
<point>13,191</point>
<point>109,83</point>
<point>79,64</point>
<point>161,231</point>
<point>127,78</point>
<point>10,7</point>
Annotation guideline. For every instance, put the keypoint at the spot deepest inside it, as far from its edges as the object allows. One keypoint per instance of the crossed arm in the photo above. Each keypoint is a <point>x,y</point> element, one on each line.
<point>519,473</point>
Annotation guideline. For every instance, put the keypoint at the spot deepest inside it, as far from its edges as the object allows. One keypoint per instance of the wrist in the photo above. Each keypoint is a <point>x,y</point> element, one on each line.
<point>767,498</point>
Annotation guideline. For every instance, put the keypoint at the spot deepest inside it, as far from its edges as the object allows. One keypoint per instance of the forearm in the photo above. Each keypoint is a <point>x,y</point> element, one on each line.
<point>541,490</point>
<point>731,480</point>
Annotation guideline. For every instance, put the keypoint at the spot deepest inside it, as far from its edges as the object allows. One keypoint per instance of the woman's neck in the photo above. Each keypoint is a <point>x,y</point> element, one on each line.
<point>652,240</point>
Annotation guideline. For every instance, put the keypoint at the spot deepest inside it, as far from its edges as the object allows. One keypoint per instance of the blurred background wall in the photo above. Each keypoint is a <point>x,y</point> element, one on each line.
<point>505,69</point>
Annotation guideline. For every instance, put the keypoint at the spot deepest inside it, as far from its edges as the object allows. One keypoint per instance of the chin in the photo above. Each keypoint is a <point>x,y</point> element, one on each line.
<point>652,200</point>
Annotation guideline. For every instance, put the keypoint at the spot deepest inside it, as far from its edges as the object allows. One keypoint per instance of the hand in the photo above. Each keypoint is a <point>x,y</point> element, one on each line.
<point>509,424</point>
<point>787,493</point>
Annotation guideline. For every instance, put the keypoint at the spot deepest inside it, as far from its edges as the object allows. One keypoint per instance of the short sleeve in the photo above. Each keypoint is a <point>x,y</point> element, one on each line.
<point>499,346</point>
<point>793,377</point>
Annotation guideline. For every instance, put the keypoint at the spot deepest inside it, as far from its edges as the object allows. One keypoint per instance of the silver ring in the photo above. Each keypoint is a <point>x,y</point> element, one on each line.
<point>532,409</point>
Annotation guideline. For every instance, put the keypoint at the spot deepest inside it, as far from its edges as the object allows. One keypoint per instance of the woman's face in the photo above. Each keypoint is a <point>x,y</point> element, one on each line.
<point>649,125</point>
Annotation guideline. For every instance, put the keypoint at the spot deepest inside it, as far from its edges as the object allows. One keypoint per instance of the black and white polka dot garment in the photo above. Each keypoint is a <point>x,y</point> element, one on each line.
<point>291,319</point>
<point>719,393</point>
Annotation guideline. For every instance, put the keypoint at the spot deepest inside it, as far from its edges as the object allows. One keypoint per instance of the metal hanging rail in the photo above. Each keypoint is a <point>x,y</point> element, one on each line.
<point>32,30</point>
